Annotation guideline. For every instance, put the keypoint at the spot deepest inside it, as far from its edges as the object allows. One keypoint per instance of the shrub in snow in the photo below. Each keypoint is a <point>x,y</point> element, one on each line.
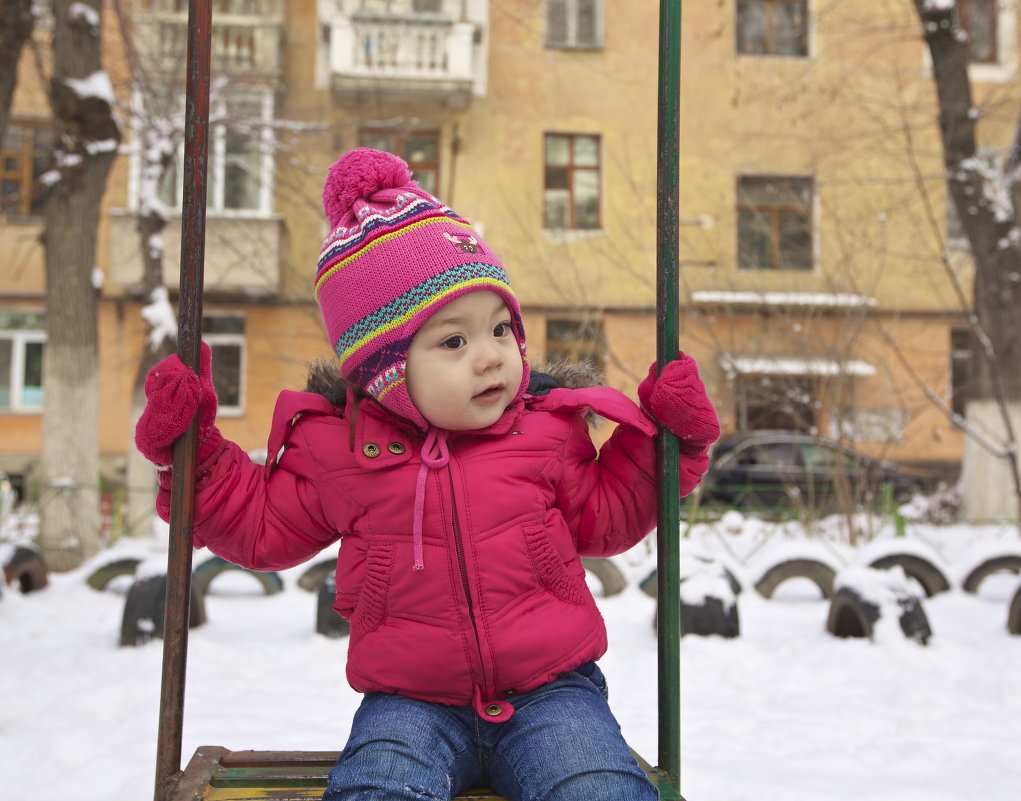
<point>879,604</point>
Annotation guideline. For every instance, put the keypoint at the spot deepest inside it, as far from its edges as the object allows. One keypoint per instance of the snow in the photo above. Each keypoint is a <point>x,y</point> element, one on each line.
<point>84,12</point>
<point>784,712</point>
<point>791,365</point>
<point>160,316</point>
<point>814,299</point>
<point>95,85</point>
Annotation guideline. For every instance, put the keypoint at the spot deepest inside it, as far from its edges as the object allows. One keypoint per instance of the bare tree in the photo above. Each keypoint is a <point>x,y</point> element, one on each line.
<point>16,23</point>
<point>87,138</point>
<point>986,202</point>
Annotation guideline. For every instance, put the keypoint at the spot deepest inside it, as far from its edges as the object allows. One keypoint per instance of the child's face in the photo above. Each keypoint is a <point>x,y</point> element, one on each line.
<point>464,365</point>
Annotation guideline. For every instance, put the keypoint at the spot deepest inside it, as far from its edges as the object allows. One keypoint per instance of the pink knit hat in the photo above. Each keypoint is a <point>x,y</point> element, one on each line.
<point>394,256</point>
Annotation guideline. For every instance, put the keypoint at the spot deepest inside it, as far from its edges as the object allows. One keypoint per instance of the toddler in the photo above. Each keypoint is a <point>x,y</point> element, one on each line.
<point>464,496</point>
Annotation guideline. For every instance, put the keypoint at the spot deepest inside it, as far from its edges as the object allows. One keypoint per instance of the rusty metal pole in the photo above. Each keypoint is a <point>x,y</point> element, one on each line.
<point>668,555</point>
<point>182,499</point>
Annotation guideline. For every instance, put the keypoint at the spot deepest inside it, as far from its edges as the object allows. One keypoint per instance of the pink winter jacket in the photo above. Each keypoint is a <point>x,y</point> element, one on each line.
<point>501,604</point>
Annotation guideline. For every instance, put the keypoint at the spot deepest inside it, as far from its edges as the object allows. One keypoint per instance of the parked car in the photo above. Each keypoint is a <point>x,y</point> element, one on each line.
<point>777,470</point>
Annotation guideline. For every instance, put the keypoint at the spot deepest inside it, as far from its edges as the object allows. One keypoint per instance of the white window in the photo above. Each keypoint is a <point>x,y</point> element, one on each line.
<point>574,24</point>
<point>240,177</point>
<point>225,335</point>
<point>22,345</point>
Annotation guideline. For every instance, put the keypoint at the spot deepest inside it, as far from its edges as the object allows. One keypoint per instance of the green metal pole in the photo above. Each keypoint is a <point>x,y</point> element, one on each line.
<point>667,307</point>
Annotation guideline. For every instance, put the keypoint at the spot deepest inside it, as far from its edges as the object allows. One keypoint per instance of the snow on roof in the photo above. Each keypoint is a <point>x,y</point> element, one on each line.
<point>796,365</point>
<point>815,299</point>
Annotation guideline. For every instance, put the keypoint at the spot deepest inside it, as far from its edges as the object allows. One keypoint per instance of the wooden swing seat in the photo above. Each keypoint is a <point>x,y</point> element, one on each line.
<point>219,774</point>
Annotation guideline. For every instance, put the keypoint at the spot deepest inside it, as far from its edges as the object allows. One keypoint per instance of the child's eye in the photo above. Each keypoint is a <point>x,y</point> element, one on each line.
<point>502,330</point>
<point>454,342</point>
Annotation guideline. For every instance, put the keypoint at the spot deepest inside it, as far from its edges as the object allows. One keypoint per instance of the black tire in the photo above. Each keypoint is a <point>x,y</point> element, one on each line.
<point>27,569</point>
<point>1014,613</point>
<point>610,576</point>
<point>204,574</point>
<point>313,578</point>
<point>1009,563</point>
<point>145,607</point>
<point>712,616</point>
<point>328,622</point>
<point>852,616</point>
<point>101,577</point>
<point>819,573</point>
<point>919,568</point>
<point>650,584</point>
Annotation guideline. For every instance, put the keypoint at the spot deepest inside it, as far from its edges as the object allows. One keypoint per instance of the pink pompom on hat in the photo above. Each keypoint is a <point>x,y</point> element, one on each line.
<point>394,256</point>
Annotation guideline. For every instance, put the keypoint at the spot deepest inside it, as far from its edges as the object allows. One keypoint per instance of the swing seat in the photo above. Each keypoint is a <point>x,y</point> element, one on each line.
<point>219,774</point>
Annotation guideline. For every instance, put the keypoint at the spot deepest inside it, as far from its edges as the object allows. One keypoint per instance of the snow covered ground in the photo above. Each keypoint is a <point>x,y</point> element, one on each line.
<point>785,711</point>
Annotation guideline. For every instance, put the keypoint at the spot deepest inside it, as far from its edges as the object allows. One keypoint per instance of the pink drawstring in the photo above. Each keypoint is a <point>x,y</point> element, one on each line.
<point>434,454</point>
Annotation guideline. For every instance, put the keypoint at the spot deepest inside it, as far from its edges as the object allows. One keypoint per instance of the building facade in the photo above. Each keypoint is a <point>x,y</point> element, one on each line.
<point>824,286</point>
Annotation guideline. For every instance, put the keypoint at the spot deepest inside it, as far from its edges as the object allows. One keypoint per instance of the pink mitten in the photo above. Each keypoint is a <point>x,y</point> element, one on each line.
<point>174,394</point>
<point>677,399</point>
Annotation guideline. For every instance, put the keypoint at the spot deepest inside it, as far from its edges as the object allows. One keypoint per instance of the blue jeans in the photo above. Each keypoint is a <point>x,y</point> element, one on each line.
<point>561,744</point>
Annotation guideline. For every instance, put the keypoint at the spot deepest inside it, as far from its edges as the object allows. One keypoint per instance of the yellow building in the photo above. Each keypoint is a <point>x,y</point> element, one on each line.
<point>821,278</point>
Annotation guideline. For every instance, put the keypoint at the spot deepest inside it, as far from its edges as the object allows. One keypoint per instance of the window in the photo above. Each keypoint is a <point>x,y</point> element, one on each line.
<point>574,24</point>
<point>961,368</point>
<point>22,344</point>
<point>240,157</point>
<point>421,149</point>
<point>225,335</point>
<point>979,19</point>
<point>23,158</point>
<point>766,401</point>
<point>575,342</point>
<point>774,223</point>
<point>571,181</point>
<point>772,27</point>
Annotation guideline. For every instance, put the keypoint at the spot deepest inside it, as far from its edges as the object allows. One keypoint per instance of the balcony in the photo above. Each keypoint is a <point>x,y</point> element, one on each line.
<point>243,255</point>
<point>392,52</point>
<point>247,38</point>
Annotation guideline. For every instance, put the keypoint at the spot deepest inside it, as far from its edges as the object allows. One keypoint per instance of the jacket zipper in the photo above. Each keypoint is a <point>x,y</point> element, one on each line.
<point>462,565</point>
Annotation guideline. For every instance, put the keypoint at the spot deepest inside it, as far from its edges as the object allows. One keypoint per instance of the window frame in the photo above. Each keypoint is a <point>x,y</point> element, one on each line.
<point>229,339</point>
<point>770,52</point>
<point>400,138</point>
<point>19,338</point>
<point>572,10</point>
<point>24,172</point>
<point>775,212</point>
<point>964,17</point>
<point>961,368</point>
<point>571,169</point>
<point>219,158</point>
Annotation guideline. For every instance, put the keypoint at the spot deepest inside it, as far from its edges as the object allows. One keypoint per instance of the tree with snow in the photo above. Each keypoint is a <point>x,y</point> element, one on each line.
<point>987,203</point>
<point>87,136</point>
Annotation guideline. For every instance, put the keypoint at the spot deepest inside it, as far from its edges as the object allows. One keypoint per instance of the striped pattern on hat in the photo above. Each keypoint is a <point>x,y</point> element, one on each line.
<point>394,257</point>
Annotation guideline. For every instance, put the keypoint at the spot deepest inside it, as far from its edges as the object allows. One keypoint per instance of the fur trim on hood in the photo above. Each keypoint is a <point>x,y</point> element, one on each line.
<point>324,379</point>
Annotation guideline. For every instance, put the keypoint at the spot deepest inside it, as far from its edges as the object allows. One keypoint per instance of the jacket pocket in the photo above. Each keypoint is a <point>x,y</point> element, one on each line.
<point>550,568</point>
<point>370,611</point>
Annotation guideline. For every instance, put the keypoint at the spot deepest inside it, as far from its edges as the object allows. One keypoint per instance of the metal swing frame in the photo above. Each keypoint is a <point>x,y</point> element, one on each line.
<point>219,774</point>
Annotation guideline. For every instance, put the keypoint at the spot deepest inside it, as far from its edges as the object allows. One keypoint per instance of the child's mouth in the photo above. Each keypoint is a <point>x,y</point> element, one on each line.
<point>491,394</point>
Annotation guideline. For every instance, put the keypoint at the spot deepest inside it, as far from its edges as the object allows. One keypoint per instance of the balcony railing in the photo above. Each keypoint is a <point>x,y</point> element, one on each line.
<point>247,37</point>
<point>421,55</point>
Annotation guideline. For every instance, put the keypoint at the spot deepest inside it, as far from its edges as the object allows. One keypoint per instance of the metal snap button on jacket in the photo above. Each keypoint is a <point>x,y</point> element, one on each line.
<point>494,710</point>
<point>396,448</point>
<point>370,449</point>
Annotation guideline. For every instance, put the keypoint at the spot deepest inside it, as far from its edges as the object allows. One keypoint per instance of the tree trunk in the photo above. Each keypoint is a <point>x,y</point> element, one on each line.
<point>87,138</point>
<point>992,480</point>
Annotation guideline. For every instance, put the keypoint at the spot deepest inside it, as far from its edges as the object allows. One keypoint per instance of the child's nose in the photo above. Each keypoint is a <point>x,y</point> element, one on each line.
<point>489,357</point>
